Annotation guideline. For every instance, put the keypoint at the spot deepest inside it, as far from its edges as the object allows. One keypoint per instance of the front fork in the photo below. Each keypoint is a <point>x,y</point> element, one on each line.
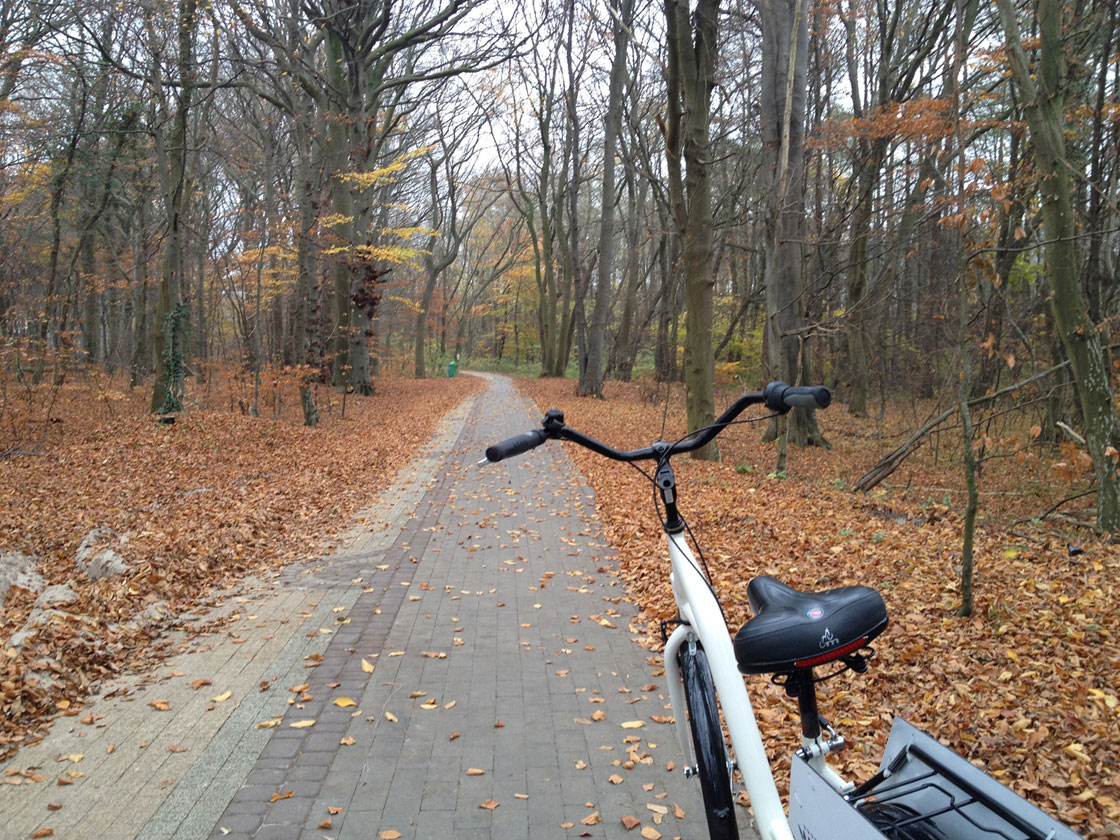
<point>673,644</point>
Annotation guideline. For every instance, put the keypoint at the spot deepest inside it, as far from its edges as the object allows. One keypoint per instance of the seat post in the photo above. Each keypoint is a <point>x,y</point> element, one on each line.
<point>802,686</point>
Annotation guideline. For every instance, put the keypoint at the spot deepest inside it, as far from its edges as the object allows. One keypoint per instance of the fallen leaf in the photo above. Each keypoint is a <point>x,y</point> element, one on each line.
<point>593,818</point>
<point>651,833</point>
<point>200,683</point>
<point>160,705</point>
<point>475,771</point>
<point>268,724</point>
<point>615,779</point>
<point>301,724</point>
<point>489,805</point>
<point>367,666</point>
<point>344,702</point>
<point>389,833</point>
<point>221,698</point>
<point>42,832</point>
<point>276,797</point>
<point>348,741</point>
<point>678,811</point>
<point>631,822</point>
<point>633,724</point>
<point>389,716</point>
<point>325,823</point>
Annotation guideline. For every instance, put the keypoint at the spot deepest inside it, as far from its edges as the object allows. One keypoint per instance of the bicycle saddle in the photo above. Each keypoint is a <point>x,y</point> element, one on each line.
<point>793,630</point>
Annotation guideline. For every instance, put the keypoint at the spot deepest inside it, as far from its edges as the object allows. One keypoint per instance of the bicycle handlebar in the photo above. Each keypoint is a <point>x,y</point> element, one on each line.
<point>777,396</point>
<point>781,397</point>
<point>515,445</point>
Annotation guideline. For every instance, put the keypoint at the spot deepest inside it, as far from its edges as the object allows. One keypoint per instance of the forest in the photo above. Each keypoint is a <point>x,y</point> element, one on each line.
<point>901,200</point>
<point>242,238</point>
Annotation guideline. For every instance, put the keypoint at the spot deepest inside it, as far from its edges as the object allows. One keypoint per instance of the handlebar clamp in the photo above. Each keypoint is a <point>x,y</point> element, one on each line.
<point>553,422</point>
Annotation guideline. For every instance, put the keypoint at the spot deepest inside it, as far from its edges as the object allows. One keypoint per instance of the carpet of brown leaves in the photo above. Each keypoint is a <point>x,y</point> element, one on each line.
<point>199,503</point>
<point>1026,688</point>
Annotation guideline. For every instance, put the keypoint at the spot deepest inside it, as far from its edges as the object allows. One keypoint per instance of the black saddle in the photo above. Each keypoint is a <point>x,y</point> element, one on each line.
<point>793,630</point>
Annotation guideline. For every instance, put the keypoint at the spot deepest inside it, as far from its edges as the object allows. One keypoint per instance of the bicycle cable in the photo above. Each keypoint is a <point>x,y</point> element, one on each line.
<point>705,572</point>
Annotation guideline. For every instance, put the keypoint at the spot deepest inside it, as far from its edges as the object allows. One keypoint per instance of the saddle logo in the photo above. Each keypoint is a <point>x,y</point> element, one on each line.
<point>828,640</point>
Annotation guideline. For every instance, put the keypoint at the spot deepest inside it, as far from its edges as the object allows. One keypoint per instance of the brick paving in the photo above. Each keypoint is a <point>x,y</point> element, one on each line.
<point>461,667</point>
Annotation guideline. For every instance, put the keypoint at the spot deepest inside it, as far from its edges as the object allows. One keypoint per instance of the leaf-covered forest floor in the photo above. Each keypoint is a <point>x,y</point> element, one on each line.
<point>1027,687</point>
<point>193,507</point>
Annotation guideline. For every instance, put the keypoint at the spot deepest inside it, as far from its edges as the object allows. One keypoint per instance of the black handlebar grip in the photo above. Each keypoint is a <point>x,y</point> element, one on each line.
<point>515,446</point>
<point>781,397</point>
<point>807,396</point>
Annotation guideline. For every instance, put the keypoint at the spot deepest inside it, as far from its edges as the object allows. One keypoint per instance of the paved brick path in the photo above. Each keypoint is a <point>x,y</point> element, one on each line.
<point>502,672</point>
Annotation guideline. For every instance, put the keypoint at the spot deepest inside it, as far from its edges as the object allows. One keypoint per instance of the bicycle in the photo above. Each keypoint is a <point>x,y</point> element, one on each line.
<point>922,790</point>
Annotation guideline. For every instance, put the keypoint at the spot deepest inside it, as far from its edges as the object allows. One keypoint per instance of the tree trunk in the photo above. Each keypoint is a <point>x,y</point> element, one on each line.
<point>591,382</point>
<point>1041,94</point>
<point>784,70</point>
<point>170,319</point>
<point>690,71</point>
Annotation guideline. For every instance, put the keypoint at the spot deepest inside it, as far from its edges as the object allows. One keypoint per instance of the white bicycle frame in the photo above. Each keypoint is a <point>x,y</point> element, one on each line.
<point>702,618</point>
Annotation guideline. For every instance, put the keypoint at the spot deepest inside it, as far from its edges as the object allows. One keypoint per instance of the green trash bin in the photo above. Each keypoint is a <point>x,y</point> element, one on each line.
<point>450,369</point>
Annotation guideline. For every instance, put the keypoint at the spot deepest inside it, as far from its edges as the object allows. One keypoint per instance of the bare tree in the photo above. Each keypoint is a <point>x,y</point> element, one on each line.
<point>591,377</point>
<point>692,37</point>
<point>1042,87</point>
<point>785,59</point>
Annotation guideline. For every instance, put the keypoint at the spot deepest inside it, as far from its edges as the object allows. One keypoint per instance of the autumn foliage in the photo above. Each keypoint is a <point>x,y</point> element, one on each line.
<point>1026,688</point>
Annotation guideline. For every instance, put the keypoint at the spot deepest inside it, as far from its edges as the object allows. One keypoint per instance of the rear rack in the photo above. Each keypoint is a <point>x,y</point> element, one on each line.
<point>923,791</point>
<point>929,785</point>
